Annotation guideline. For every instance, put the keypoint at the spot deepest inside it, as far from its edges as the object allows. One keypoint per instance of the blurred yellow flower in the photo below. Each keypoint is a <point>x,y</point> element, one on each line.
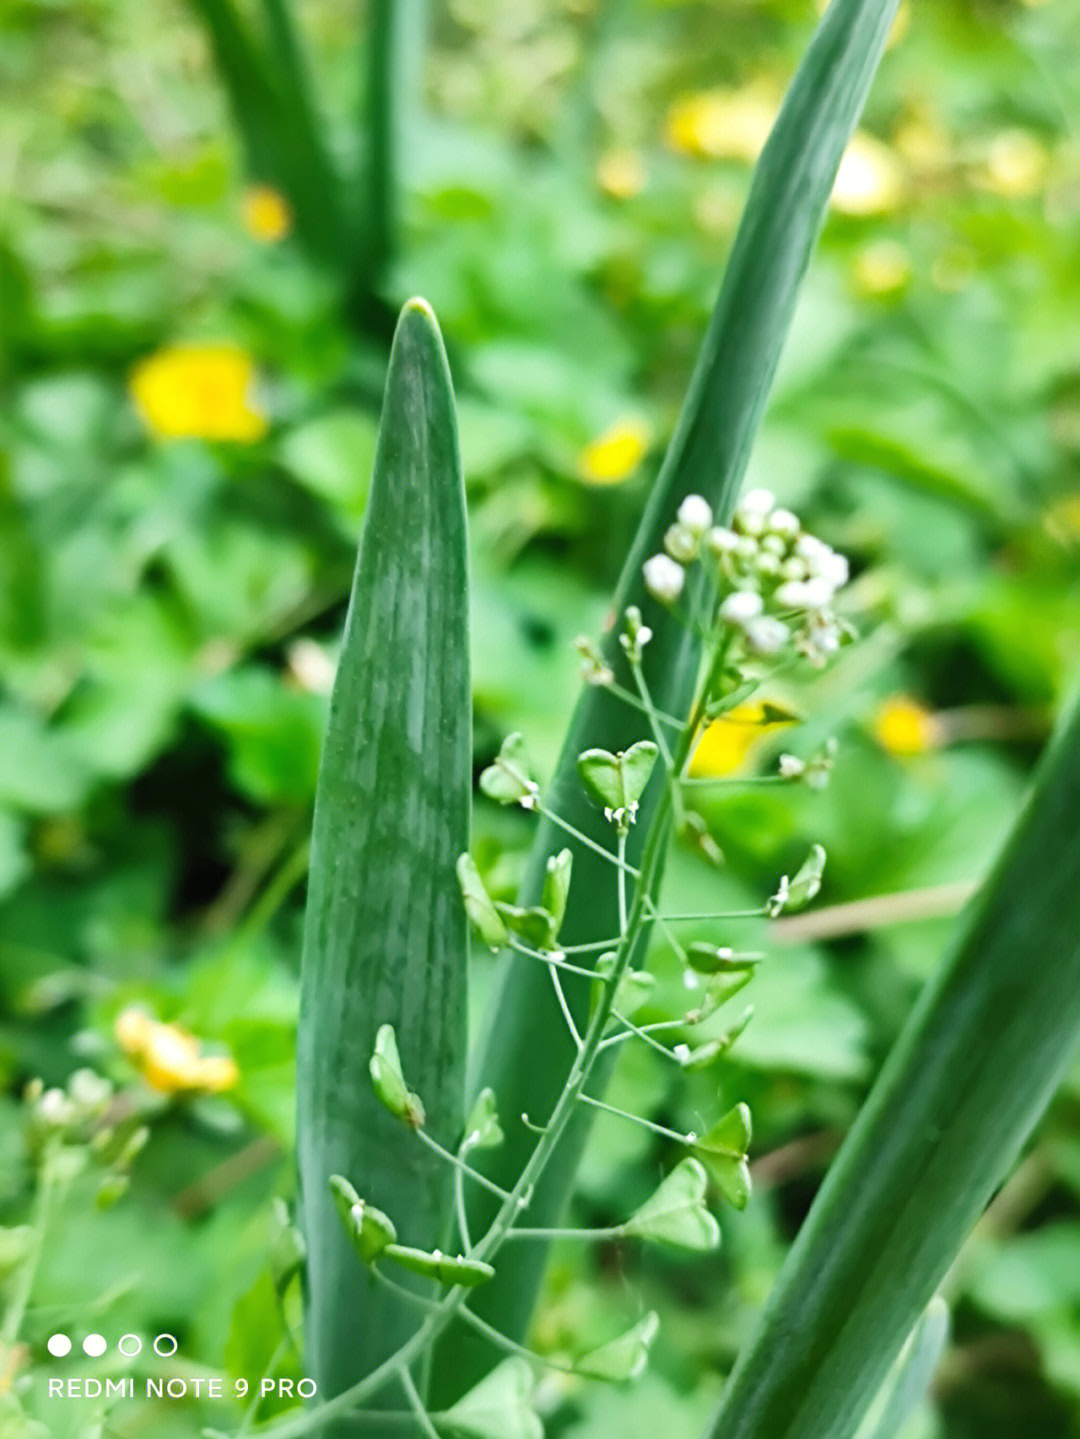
<point>621,174</point>
<point>266,214</point>
<point>169,1058</point>
<point>616,454</point>
<point>903,727</point>
<point>881,268</point>
<point>1016,165</point>
<point>869,180</point>
<point>197,392</point>
<point>725,744</point>
<point>722,124</point>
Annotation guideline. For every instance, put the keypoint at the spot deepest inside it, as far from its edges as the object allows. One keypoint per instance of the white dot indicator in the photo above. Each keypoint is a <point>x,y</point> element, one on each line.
<point>129,1345</point>
<point>95,1345</point>
<point>58,1345</point>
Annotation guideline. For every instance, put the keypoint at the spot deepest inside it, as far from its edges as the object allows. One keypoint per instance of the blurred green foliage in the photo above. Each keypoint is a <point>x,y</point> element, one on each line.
<point>170,606</point>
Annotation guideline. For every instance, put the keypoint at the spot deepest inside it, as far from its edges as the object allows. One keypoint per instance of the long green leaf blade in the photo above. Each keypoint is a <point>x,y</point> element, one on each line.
<point>980,1058</point>
<point>384,939</point>
<point>271,98</point>
<point>527,1049</point>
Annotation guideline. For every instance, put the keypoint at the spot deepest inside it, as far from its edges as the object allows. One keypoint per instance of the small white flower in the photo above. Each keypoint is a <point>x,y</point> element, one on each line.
<point>791,767</point>
<point>772,544</point>
<point>741,606</point>
<point>695,514</point>
<point>664,578</point>
<point>746,551</point>
<point>682,544</point>
<point>759,501</point>
<point>751,522</point>
<point>720,541</point>
<point>766,635</point>
<point>812,550</point>
<point>812,594</point>
<point>794,568</point>
<point>834,568</point>
<point>767,565</point>
<point>792,595</point>
<point>785,524</point>
<point>681,1053</point>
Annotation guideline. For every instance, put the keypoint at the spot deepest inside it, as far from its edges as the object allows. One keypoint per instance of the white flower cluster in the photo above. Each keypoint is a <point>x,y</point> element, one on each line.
<point>778,583</point>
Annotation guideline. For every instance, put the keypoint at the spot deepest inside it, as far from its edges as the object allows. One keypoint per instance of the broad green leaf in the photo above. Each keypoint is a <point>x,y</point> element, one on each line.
<point>708,455</point>
<point>478,903</point>
<point>557,887</point>
<point>909,1379</point>
<point>509,779</point>
<point>617,781</point>
<point>448,1269</point>
<point>499,1407</point>
<point>482,1128</point>
<point>389,1082</point>
<point>623,1358</point>
<point>989,1040</point>
<point>391,820</point>
<point>369,1229</point>
<point>676,1213</point>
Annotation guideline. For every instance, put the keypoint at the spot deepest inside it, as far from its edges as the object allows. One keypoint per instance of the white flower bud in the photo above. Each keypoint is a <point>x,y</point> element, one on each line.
<point>766,635</point>
<point>741,606</point>
<point>746,550</point>
<point>768,565</point>
<point>794,569</point>
<point>695,514</point>
<point>759,501</point>
<point>784,523</point>
<point>791,767</point>
<point>834,568</point>
<point>812,594</point>
<point>682,544</point>
<point>772,544</point>
<point>664,578</point>
<point>721,541</point>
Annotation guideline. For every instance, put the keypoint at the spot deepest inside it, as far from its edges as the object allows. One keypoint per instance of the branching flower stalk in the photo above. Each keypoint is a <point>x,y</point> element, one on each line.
<point>763,589</point>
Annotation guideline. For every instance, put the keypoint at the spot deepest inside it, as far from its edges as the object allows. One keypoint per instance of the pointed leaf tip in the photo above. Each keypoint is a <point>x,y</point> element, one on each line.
<point>624,1358</point>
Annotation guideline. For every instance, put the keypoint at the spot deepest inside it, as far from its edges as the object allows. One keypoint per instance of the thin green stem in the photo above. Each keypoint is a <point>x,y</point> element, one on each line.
<point>553,970</point>
<point>593,947</point>
<point>742,781</point>
<point>660,1129</point>
<point>550,959</point>
<point>585,839</point>
<point>628,697</point>
<point>459,1205</point>
<point>458,1163</point>
<point>614,1231</point>
<point>645,1032</point>
<point>416,1404</point>
<point>651,710</point>
<point>502,1342</point>
<point>622,881</point>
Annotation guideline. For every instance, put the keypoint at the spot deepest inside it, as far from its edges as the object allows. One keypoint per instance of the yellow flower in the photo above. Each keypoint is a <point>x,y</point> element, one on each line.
<point>169,1058</point>
<point>881,268</point>
<point>621,174</point>
<point>197,392</point>
<point>267,215</point>
<point>725,744</point>
<point>1016,165</point>
<point>903,727</point>
<point>869,180</point>
<point>616,454</point>
<point>722,124</point>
